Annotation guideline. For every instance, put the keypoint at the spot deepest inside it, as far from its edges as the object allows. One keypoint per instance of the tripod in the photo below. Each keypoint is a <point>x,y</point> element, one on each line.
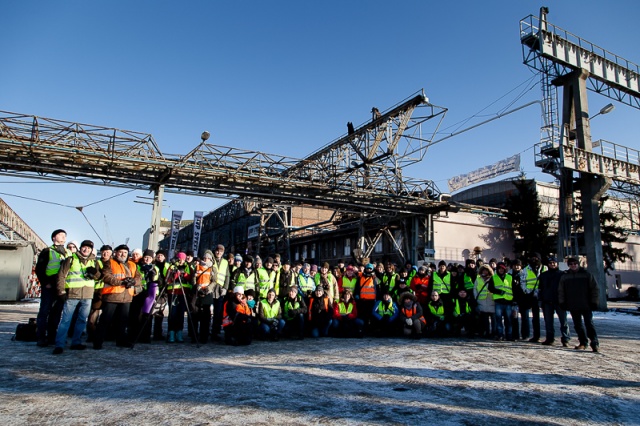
<point>157,307</point>
<point>187,307</point>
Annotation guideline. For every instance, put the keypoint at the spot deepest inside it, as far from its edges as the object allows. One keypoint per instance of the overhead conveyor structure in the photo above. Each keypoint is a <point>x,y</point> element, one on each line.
<point>360,172</point>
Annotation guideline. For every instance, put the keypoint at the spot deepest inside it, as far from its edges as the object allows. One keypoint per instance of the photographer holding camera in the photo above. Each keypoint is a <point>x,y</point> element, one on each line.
<point>120,276</point>
<point>205,276</point>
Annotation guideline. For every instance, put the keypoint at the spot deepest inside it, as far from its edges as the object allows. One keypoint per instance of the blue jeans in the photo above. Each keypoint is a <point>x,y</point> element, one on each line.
<point>83,306</point>
<point>503,319</point>
<point>548,309</point>
<point>321,329</point>
<point>267,330</point>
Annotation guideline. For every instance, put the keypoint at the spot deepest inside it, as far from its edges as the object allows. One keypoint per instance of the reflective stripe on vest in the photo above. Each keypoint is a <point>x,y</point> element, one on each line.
<point>482,287</point>
<point>264,283</point>
<point>442,285</point>
<point>409,313</point>
<point>223,267</point>
<point>391,281</point>
<point>468,284</point>
<point>367,288</point>
<point>76,277</point>
<point>179,284</point>
<point>532,278</point>
<point>384,311</point>
<point>437,311</point>
<point>345,310</point>
<point>349,283</point>
<point>99,283</point>
<point>504,286</point>
<point>248,283</point>
<point>456,308</point>
<point>119,272</point>
<point>269,311</point>
<point>289,306</point>
<point>306,283</point>
<point>55,260</point>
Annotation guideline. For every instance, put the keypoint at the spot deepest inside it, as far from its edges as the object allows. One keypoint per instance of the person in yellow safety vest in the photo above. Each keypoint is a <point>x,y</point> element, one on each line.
<point>266,276</point>
<point>486,306</point>
<point>245,276</point>
<point>270,315</point>
<point>384,317</point>
<point>501,287</point>
<point>468,278</point>
<point>120,276</point>
<point>293,311</point>
<point>76,279</point>
<point>345,317</point>
<point>206,275</point>
<point>220,290</point>
<point>105,254</point>
<point>411,316</point>
<point>530,302</point>
<point>328,282</point>
<point>47,268</point>
<point>179,286</point>
<point>442,282</point>
<point>306,283</point>
<point>389,278</point>
<point>158,317</point>
<point>437,320</point>
<point>366,294</point>
<point>349,280</point>
<point>286,279</point>
<point>464,314</point>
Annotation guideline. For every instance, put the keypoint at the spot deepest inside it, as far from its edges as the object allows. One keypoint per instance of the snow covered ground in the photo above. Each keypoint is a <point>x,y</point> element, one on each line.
<point>326,381</point>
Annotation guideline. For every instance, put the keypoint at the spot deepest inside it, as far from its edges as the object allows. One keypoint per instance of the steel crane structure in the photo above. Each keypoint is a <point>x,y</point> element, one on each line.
<point>360,172</point>
<point>577,65</point>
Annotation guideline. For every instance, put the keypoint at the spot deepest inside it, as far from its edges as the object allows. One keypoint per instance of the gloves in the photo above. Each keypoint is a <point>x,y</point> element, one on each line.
<point>128,282</point>
<point>63,297</point>
<point>409,322</point>
<point>91,271</point>
<point>274,323</point>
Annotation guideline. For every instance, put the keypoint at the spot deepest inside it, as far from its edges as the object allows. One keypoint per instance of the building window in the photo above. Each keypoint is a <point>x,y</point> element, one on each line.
<point>347,247</point>
<point>335,249</point>
<point>378,247</point>
<point>304,252</point>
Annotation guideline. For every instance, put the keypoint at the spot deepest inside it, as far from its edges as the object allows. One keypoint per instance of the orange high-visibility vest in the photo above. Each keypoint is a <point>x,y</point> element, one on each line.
<point>367,289</point>
<point>120,273</point>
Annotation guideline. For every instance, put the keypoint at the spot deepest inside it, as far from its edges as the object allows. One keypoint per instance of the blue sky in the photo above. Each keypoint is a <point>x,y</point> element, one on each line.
<point>280,77</point>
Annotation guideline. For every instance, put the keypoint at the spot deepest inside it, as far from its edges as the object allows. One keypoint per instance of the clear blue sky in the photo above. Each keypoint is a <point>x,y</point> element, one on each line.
<point>280,77</point>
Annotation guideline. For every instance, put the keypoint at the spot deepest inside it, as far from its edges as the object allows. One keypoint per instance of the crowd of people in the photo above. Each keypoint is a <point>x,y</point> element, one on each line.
<point>118,294</point>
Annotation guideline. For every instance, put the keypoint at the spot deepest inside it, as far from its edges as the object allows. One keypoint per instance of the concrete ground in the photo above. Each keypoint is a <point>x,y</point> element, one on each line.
<point>327,381</point>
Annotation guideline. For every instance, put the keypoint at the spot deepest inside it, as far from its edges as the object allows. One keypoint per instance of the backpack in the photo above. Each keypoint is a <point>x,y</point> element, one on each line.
<point>26,332</point>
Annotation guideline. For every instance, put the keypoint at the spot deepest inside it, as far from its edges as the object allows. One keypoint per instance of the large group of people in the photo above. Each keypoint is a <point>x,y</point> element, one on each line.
<point>118,294</point>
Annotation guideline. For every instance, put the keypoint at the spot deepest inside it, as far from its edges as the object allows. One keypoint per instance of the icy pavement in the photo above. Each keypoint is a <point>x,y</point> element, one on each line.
<point>326,381</point>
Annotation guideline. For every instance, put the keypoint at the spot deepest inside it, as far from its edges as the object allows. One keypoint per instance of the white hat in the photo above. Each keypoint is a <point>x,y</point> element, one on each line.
<point>238,289</point>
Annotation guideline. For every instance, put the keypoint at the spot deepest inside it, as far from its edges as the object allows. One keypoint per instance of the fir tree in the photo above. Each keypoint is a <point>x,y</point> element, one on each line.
<point>524,211</point>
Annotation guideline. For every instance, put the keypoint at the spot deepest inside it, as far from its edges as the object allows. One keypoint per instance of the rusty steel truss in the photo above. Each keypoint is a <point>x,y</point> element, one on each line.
<point>360,172</point>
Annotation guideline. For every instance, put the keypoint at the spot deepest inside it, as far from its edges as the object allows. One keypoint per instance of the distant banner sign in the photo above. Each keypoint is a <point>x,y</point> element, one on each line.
<point>176,218</point>
<point>511,164</point>
<point>197,230</point>
<point>253,231</point>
